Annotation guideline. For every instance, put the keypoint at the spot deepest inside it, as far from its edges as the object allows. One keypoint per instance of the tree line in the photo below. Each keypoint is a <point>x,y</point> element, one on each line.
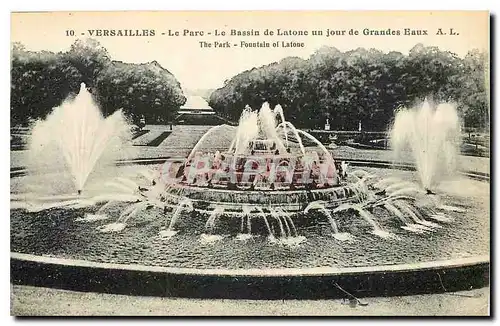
<point>361,85</point>
<point>42,80</point>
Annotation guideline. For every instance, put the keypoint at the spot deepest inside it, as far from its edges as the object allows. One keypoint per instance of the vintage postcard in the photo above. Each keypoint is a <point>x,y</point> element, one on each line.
<point>250,163</point>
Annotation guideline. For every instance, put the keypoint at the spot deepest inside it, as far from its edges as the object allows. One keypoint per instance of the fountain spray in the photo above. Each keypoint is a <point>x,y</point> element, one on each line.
<point>431,136</point>
<point>76,135</point>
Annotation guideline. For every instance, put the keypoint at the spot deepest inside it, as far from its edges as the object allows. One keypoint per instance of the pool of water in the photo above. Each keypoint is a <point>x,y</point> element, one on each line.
<point>59,233</point>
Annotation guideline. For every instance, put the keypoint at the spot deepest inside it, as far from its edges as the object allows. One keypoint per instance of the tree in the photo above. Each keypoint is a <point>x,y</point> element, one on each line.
<point>359,85</point>
<point>89,57</point>
<point>40,81</point>
<point>473,100</point>
<point>146,90</point>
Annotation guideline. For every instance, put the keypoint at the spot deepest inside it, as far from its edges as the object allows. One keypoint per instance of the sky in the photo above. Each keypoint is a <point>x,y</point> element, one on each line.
<point>206,68</point>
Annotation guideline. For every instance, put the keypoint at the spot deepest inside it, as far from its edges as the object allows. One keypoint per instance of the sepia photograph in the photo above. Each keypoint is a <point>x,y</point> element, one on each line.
<point>250,163</point>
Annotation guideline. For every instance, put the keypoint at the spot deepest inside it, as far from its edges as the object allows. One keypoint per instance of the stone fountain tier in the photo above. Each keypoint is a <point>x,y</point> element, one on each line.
<point>260,169</point>
<point>207,199</point>
<point>267,152</point>
<point>351,249</point>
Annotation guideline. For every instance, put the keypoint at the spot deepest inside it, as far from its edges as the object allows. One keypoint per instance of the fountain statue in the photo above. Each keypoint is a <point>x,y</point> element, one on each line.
<point>270,178</point>
<point>261,201</point>
<point>267,172</point>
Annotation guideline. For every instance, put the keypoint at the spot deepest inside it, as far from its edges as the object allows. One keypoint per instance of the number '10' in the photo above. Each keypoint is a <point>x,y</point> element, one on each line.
<point>70,32</point>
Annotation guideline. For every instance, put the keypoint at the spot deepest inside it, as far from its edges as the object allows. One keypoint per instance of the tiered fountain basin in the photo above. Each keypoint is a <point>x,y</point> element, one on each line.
<point>366,232</point>
<point>207,199</point>
<point>58,248</point>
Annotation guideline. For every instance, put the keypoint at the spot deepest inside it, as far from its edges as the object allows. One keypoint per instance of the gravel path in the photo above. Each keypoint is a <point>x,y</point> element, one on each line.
<point>34,301</point>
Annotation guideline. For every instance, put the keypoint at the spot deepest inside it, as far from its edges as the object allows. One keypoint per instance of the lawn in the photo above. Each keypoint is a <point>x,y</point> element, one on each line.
<point>184,137</point>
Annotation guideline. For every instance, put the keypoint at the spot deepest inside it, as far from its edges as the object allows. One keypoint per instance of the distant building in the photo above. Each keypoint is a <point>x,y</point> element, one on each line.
<point>196,111</point>
<point>196,105</point>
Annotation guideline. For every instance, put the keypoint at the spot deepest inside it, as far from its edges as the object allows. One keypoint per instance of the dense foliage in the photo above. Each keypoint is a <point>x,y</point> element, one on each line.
<point>40,81</point>
<point>90,58</point>
<point>360,85</point>
<point>140,90</point>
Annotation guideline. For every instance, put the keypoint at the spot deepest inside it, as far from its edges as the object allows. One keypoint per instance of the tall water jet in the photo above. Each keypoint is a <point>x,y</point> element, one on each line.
<point>267,123</point>
<point>432,135</point>
<point>201,140</point>
<point>278,111</point>
<point>327,155</point>
<point>247,131</point>
<point>286,124</point>
<point>78,136</point>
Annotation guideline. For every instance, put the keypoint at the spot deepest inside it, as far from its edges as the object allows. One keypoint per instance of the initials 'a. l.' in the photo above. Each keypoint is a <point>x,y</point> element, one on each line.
<point>451,32</point>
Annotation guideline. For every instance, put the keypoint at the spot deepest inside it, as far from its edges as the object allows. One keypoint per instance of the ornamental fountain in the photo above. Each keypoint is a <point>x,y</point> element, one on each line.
<point>272,202</point>
<point>268,181</point>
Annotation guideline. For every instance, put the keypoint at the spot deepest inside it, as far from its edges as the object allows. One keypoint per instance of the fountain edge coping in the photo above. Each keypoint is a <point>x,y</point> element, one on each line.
<point>266,272</point>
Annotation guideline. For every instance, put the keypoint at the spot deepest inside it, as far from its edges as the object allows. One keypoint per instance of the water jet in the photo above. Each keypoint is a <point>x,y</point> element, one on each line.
<point>431,134</point>
<point>269,216</point>
<point>77,139</point>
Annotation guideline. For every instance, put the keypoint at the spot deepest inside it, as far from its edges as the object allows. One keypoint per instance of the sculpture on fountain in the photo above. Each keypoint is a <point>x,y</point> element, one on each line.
<point>263,157</point>
<point>268,174</point>
<point>270,179</point>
